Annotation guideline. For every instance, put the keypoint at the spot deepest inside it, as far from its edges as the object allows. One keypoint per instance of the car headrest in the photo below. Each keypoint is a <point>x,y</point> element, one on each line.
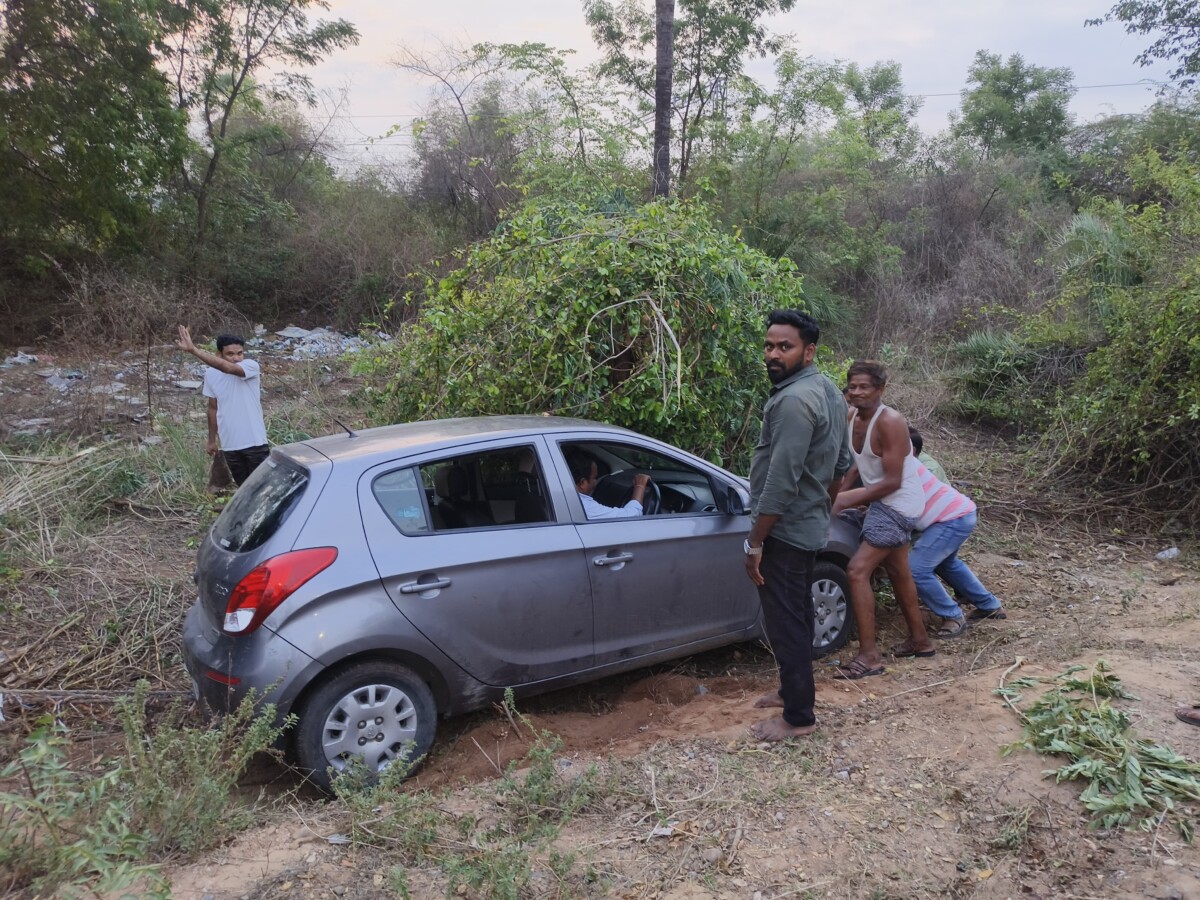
<point>451,482</point>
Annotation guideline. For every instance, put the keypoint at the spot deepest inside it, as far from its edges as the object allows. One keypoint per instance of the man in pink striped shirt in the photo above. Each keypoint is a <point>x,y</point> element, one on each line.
<point>948,520</point>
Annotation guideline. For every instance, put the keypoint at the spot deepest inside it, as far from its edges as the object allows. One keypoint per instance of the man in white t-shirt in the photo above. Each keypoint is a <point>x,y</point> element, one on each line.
<point>231,384</point>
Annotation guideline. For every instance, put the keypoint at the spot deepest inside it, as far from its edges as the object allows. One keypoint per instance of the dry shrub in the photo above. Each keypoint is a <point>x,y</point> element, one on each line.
<point>971,239</point>
<point>113,309</point>
<point>357,250</point>
<point>920,394</point>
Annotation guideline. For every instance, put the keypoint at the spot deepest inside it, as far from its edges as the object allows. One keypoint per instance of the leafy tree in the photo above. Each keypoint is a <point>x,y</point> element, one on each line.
<point>467,158</point>
<point>575,125</point>
<point>87,126</point>
<point>273,167</point>
<point>713,38</point>
<point>816,164</point>
<point>1100,151</point>
<point>772,128</point>
<point>884,110</point>
<point>1177,26</point>
<point>647,317</point>
<point>509,120</point>
<point>216,50</point>
<point>1014,106</point>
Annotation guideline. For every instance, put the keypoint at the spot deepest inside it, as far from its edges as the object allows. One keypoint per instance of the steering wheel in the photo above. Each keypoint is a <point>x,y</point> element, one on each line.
<point>651,499</point>
<point>616,489</point>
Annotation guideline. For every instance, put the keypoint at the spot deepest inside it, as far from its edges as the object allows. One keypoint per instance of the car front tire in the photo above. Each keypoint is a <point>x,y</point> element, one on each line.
<point>381,713</point>
<point>833,616</point>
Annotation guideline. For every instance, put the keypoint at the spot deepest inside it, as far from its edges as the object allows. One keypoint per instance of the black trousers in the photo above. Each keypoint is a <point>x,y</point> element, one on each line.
<point>242,462</point>
<point>788,616</point>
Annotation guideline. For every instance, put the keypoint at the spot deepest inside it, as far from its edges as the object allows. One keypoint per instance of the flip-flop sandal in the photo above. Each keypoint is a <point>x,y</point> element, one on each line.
<point>977,615</point>
<point>950,628</point>
<point>1189,715</point>
<point>903,652</point>
<point>856,670</point>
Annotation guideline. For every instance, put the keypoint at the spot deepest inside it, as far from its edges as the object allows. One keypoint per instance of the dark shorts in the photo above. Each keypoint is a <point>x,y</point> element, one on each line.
<point>881,526</point>
<point>242,462</point>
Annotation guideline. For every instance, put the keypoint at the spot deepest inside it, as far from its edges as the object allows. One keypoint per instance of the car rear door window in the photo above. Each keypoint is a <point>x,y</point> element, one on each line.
<point>402,497</point>
<point>495,488</point>
<point>259,507</point>
<point>492,489</point>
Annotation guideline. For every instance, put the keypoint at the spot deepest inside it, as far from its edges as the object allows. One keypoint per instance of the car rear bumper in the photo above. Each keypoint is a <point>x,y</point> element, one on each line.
<point>263,662</point>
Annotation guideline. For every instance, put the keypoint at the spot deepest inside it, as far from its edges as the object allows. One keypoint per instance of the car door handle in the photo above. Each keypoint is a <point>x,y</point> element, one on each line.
<point>420,587</point>
<point>612,560</point>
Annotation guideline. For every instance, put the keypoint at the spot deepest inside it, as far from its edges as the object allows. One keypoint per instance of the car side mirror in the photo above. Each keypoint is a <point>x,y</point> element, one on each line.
<point>737,501</point>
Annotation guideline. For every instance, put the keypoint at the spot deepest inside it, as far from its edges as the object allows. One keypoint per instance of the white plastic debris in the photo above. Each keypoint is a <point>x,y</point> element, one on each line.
<point>21,359</point>
<point>293,331</point>
<point>1169,553</point>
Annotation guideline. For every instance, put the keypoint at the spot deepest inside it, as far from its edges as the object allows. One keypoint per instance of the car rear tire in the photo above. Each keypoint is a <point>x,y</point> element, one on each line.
<point>833,616</point>
<point>380,712</point>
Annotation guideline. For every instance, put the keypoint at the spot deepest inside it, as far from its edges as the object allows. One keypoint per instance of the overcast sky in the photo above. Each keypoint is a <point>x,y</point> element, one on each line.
<point>933,40</point>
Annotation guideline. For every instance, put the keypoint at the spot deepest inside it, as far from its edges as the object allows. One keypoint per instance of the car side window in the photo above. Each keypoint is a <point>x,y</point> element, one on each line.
<point>403,499</point>
<point>491,489</point>
<point>683,487</point>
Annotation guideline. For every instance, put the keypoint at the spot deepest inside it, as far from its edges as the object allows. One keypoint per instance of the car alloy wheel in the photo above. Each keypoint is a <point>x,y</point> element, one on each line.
<point>833,616</point>
<point>378,713</point>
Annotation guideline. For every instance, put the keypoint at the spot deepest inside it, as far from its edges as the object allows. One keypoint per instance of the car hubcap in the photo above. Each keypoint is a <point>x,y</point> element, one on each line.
<point>829,611</point>
<point>377,723</point>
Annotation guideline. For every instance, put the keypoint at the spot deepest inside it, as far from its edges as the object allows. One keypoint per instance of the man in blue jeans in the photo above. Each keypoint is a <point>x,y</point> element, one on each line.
<point>947,522</point>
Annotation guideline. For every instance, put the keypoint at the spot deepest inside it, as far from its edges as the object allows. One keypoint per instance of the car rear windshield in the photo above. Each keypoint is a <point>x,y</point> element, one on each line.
<point>259,507</point>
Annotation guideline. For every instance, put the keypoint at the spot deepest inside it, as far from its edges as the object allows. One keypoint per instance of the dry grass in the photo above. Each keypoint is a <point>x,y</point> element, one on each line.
<point>112,310</point>
<point>94,580</point>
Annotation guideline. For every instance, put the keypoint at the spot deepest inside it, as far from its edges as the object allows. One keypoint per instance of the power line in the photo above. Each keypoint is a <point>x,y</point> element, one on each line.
<point>1144,82</point>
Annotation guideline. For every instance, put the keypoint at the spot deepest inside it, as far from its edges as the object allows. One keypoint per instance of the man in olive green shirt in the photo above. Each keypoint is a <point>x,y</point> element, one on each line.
<point>795,472</point>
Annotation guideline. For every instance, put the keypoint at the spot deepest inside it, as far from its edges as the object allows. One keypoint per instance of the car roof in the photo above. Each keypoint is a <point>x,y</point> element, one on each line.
<point>435,434</point>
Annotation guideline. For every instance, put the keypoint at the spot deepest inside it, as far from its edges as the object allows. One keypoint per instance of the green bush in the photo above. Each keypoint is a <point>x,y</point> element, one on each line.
<point>1136,413</point>
<point>1013,378</point>
<point>68,831</point>
<point>647,317</point>
<point>179,779</point>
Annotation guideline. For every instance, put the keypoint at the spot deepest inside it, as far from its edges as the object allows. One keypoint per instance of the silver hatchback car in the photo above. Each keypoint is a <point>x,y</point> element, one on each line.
<point>372,582</point>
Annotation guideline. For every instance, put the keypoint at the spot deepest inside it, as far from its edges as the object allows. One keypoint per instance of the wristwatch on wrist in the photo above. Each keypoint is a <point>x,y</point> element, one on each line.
<point>751,551</point>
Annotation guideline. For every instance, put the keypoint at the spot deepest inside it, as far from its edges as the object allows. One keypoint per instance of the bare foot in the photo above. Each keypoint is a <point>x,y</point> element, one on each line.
<point>776,729</point>
<point>769,701</point>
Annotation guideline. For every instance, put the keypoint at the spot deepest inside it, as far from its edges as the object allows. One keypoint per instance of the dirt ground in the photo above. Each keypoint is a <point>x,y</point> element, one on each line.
<point>903,791</point>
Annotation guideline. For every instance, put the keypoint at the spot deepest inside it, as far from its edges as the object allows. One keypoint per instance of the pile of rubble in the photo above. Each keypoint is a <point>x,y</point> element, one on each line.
<point>125,382</point>
<point>304,343</point>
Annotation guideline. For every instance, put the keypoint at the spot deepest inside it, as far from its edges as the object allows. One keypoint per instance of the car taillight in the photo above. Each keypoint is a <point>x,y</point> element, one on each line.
<point>269,584</point>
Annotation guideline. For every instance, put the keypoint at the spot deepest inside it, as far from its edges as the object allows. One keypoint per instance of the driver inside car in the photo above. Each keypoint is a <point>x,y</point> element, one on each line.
<point>583,471</point>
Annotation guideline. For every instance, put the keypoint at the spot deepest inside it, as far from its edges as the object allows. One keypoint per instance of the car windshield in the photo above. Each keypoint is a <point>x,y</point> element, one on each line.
<point>613,457</point>
<point>259,507</point>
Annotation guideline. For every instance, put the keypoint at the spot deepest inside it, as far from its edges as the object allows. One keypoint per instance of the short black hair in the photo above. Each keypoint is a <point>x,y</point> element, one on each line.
<point>224,340</point>
<point>918,442</point>
<point>580,464</point>
<point>810,331</point>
